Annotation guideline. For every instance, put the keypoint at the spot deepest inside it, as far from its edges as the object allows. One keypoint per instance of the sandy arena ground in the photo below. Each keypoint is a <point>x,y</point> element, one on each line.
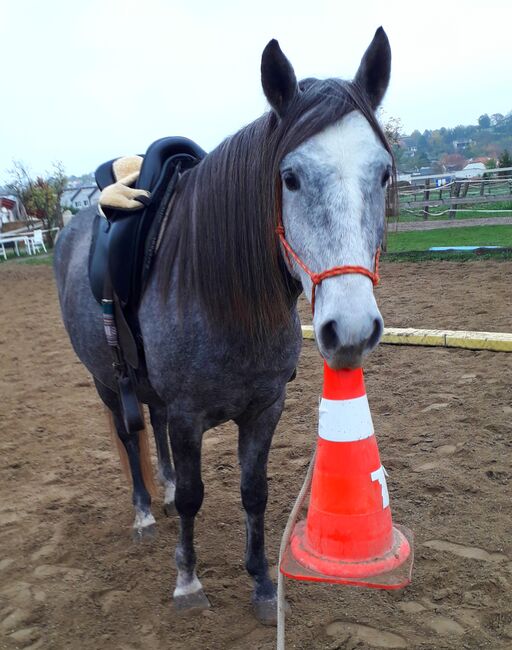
<point>71,577</point>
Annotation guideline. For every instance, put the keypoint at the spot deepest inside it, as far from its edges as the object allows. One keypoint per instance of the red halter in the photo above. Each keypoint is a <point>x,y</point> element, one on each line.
<point>316,278</point>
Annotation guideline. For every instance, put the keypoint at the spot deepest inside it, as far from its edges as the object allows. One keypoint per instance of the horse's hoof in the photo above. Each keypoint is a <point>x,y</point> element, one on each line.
<point>266,611</point>
<point>170,509</point>
<point>144,533</point>
<point>190,604</point>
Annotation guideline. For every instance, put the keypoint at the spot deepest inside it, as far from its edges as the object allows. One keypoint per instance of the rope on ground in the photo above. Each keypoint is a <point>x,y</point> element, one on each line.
<point>297,506</point>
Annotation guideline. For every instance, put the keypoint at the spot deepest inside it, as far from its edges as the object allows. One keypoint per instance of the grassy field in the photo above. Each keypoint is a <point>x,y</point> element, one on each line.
<point>404,245</point>
<point>41,258</point>
<point>472,236</point>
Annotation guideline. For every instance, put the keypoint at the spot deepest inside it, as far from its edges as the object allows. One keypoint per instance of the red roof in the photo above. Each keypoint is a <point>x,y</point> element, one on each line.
<point>7,203</point>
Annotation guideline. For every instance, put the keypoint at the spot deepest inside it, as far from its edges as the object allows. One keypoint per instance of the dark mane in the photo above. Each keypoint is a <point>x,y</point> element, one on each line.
<point>221,243</point>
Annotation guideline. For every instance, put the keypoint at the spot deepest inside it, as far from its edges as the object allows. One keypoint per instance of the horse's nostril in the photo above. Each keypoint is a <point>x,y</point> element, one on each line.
<point>375,335</point>
<point>329,335</point>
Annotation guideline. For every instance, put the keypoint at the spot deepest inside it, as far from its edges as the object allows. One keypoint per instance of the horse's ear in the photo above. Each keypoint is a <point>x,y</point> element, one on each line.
<point>277,78</point>
<point>375,69</point>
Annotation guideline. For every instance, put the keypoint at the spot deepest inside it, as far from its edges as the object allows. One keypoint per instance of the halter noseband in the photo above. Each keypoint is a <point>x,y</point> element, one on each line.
<point>317,278</point>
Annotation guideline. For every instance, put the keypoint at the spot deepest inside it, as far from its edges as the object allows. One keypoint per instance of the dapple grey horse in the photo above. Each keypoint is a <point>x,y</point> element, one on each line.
<point>218,317</point>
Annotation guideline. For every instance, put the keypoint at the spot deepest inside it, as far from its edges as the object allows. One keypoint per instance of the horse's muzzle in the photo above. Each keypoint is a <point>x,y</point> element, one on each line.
<point>342,347</point>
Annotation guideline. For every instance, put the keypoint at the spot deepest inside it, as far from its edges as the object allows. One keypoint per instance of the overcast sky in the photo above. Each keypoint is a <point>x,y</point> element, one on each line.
<point>85,81</point>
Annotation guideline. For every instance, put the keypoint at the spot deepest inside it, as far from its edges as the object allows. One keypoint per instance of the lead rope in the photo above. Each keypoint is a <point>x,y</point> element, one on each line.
<point>297,506</point>
<point>316,279</point>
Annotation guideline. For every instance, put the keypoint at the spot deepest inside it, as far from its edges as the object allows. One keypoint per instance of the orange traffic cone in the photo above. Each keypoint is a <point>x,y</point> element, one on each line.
<point>348,536</point>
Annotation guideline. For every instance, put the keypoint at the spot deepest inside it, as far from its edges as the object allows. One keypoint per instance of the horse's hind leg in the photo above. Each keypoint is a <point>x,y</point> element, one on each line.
<point>255,435</point>
<point>166,473</point>
<point>186,449</point>
<point>144,524</point>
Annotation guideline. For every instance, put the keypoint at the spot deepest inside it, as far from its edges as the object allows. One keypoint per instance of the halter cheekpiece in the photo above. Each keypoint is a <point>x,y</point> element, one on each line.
<point>317,278</point>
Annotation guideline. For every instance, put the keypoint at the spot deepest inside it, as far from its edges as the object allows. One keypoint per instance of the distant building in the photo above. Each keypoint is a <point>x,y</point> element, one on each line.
<point>480,159</point>
<point>472,170</point>
<point>461,145</point>
<point>9,209</point>
<point>80,197</point>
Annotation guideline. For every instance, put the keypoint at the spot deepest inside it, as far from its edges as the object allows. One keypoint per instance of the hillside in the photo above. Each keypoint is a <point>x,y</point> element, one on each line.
<point>453,146</point>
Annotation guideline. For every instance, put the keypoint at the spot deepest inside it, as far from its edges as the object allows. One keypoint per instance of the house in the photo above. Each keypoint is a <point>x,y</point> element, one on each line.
<point>480,159</point>
<point>461,145</point>
<point>9,209</point>
<point>472,170</point>
<point>80,197</point>
<point>407,148</point>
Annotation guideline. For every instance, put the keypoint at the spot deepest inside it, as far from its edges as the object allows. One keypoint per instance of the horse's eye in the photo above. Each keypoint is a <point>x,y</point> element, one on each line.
<point>385,177</point>
<point>291,181</point>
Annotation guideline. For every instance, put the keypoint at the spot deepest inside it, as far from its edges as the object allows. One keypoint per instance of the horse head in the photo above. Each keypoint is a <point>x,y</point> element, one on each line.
<point>331,186</point>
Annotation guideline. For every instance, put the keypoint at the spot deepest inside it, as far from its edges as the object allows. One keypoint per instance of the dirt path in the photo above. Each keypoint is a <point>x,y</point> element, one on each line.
<point>406,226</point>
<point>71,578</point>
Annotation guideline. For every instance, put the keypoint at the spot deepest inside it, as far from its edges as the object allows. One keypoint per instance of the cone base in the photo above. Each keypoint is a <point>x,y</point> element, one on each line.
<point>391,571</point>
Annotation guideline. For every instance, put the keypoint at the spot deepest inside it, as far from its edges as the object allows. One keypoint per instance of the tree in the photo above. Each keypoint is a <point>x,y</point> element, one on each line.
<point>422,144</point>
<point>414,137</point>
<point>438,167</point>
<point>484,121</point>
<point>505,160</point>
<point>40,197</point>
<point>59,182</point>
<point>393,128</point>
<point>492,163</point>
<point>496,118</point>
<point>453,161</point>
<point>423,159</point>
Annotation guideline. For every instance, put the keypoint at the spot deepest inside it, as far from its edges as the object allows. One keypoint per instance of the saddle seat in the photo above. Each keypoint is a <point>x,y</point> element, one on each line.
<point>124,240</point>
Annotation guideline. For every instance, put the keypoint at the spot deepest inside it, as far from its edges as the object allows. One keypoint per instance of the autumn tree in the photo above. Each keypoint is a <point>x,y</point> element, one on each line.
<point>454,160</point>
<point>40,196</point>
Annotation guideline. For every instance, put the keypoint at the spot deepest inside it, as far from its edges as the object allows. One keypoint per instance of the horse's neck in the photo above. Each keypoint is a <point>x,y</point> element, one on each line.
<point>181,243</point>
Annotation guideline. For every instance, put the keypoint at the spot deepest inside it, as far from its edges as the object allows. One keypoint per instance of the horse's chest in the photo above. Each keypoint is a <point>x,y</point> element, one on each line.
<point>217,378</point>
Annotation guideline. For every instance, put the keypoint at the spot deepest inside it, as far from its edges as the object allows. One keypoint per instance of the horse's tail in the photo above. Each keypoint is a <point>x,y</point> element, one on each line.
<point>144,454</point>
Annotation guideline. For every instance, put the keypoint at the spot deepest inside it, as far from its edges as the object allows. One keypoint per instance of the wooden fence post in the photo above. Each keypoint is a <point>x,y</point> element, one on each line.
<point>426,198</point>
<point>452,214</point>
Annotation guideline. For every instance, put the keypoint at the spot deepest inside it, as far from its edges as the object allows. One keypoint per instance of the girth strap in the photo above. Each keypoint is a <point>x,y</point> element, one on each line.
<point>123,372</point>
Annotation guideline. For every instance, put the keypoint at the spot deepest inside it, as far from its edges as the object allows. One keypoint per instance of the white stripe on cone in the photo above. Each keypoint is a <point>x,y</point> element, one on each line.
<point>346,420</point>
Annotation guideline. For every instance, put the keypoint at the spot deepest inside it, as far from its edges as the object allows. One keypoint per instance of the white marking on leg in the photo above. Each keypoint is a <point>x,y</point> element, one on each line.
<point>160,475</point>
<point>185,586</point>
<point>170,491</point>
<point>143,519</point>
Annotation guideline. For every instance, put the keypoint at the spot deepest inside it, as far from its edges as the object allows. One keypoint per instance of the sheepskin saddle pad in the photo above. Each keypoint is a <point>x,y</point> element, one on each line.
<point>135,194</point>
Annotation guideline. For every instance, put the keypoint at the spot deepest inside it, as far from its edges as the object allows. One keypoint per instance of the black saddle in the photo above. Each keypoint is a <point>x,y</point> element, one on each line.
<point>123,244</point>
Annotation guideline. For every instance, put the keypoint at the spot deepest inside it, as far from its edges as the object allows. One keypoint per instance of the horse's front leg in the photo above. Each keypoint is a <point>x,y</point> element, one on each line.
<point>186,441</point>
<point>255,436</point>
